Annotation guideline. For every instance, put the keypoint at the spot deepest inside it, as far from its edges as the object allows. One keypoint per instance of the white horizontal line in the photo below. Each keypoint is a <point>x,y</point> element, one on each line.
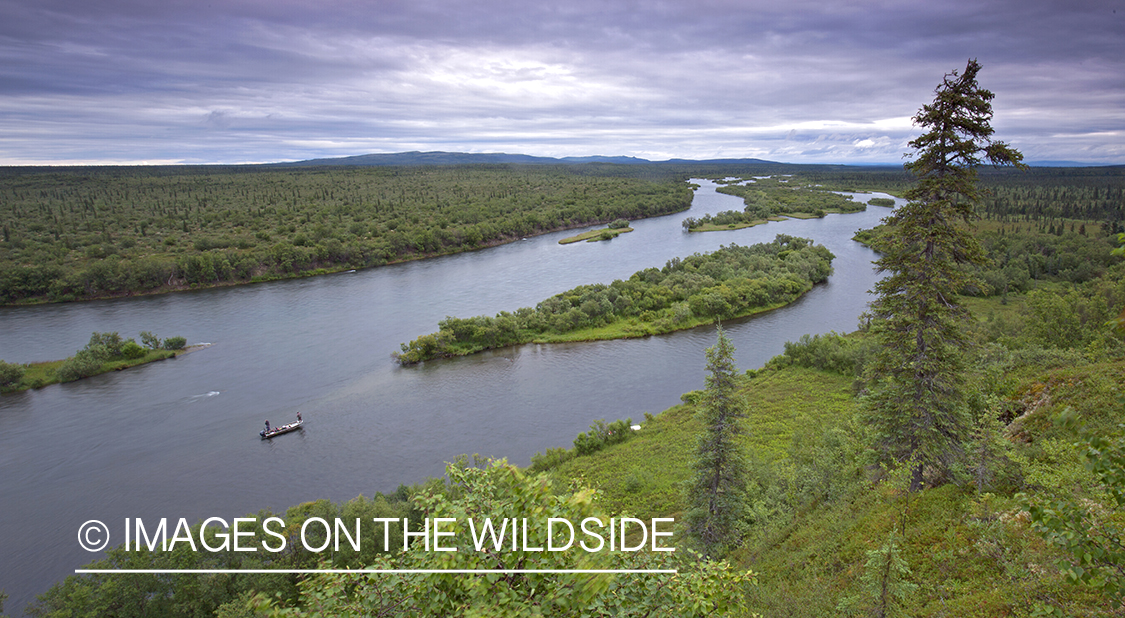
<point>376,571</point>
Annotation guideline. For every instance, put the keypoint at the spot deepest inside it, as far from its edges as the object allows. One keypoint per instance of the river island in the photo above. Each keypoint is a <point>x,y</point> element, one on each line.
<point>732,282</point>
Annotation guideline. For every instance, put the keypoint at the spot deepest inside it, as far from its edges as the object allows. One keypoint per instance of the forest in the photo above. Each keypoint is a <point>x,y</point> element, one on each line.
<point>731,282</point>
<point>82,233</point>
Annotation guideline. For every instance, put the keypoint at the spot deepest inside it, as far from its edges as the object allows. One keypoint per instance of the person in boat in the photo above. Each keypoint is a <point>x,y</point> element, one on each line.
<point>298,417</point>
<point>267,426</point>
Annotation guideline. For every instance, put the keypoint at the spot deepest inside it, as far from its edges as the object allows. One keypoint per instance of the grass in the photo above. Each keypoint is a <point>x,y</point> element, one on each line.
<point>970,553</point>
<point>644,476</point>
<point>595,235</point>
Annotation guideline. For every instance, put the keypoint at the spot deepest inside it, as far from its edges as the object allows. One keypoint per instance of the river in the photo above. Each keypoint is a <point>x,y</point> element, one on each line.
<point>179,438</point>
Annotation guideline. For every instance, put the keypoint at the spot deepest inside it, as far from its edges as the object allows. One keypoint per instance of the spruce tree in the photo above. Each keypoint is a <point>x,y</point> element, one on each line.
<point>717,490</point>
<point>915,405</point>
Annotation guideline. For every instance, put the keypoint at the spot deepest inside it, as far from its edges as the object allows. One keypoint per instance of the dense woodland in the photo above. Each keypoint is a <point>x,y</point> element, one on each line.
<point>94,232</point>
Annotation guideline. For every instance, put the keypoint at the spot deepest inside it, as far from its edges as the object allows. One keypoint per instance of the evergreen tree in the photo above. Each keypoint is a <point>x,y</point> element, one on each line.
<point>717,491</point>
<point>915,407</point>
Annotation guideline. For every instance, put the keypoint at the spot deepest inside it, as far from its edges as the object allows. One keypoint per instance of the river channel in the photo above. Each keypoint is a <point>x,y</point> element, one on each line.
<point>179,438</point>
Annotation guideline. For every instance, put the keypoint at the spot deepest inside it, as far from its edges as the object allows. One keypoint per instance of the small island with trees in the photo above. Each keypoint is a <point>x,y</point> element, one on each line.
<point>105,352</point>
<point>731,282</point>
<point>611,231</point>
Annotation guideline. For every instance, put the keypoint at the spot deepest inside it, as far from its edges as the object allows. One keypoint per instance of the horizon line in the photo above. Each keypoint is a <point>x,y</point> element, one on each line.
<point>374,571</point>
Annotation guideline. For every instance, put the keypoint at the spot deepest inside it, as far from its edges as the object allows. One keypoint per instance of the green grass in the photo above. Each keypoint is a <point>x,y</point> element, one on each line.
<point>644,475</point>
<point>970,553</point>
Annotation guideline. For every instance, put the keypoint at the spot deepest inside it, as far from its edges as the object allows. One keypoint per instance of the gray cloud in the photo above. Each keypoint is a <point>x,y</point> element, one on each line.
<point>258,80</point>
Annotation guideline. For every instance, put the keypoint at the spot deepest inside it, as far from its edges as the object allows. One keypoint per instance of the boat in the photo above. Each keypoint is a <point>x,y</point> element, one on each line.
<point>277,431</point>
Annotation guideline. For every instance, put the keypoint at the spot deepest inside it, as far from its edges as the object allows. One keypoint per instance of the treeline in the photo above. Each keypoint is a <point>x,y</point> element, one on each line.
<point>1019,256</point>
<point>85,232</point>
<point>698,289</point>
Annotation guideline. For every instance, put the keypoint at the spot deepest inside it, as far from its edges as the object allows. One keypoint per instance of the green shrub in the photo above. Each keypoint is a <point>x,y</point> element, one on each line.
<point>132,350</point>
<point>602,434</point>
<point>10,373</point>
<point>175,343</point>
<point>150,340</point>
<point>82,365</point>
<point>618,224</point>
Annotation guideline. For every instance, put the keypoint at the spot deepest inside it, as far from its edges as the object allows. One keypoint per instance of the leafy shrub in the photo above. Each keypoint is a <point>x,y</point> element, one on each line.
<point>10,373</point>
<point>830,352</point>
<point>541,462</point>
<point>175,343</point>
<point>105,345</point>
<point>618,224</point>
<point>82,365</point>
<point>602,434</point>
<point>150,340</point>
<point>132,350</point>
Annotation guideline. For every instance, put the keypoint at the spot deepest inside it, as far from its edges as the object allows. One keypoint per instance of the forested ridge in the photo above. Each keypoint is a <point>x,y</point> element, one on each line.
<point>93,232</point>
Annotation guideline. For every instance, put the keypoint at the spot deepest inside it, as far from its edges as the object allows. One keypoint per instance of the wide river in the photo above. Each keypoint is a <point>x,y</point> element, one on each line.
<point>180,438</point>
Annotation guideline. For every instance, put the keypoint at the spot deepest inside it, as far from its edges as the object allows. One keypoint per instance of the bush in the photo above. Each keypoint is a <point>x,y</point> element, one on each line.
<point>105,345</point>
<point>82,365</point>
<point>150,340</point>
<point>602,434</point>
<point>175,343</point>
<point>830,352</point>
<point>132,350</point>
<point>618,224</point>
<point>10,373</point>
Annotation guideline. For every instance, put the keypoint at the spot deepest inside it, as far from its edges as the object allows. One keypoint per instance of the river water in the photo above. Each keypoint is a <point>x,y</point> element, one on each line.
<point>179,438</point>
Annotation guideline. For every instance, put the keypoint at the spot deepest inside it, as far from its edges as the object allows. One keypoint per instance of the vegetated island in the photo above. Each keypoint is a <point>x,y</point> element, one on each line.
<point>104,353</point>
<point>616,227</point>
<point>771,199</point>
<point>732,282</point>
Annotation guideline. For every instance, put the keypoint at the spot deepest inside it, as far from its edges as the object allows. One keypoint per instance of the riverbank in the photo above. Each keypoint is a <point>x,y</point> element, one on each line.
<point>38,375</point>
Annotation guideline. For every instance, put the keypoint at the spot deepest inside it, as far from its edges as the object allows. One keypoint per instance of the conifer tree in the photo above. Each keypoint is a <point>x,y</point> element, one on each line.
<point>915,405</point>
<point>717,491</point>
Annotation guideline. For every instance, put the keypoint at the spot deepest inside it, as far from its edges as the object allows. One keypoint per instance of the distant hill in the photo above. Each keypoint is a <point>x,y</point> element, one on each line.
<point>463,158</point>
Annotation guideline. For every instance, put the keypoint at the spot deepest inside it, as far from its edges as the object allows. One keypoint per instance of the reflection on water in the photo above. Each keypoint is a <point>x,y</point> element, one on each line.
<point>180,438</point>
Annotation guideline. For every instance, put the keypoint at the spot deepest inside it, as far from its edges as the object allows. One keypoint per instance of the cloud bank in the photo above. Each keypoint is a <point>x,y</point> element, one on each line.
<point>191,81</point>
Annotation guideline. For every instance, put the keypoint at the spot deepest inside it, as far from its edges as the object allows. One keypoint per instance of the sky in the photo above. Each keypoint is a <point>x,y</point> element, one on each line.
<point>253,81</point>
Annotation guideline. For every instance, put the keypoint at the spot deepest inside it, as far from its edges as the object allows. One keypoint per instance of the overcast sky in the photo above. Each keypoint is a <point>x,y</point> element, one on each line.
<point>234,81</point>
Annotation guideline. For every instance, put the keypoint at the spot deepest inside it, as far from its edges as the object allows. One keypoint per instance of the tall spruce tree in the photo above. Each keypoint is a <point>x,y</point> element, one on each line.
<point>716,495</point>
<point>915,406</point>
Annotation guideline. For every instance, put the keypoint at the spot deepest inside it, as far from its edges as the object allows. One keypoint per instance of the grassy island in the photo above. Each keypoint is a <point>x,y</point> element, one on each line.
<point>731,282</point>
<point>104,353</point>
<point>620,226</point>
